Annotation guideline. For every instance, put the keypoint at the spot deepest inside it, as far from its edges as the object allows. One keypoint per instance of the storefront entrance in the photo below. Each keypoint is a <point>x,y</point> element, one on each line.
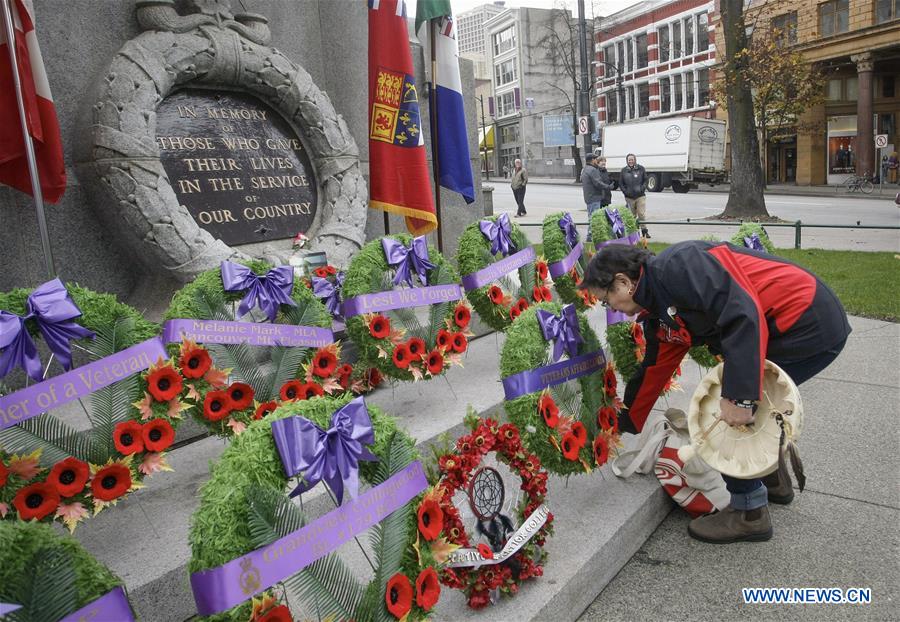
<point>782,156</point>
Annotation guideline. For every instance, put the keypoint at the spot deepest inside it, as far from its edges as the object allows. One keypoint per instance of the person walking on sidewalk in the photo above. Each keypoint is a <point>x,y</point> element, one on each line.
<point>633,182</point>
<point>744,305</point>
<point>595,185</point>
<point>517,183</point>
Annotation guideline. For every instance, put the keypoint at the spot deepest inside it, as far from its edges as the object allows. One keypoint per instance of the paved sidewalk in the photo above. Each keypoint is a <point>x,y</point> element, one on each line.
<point>842,531</point>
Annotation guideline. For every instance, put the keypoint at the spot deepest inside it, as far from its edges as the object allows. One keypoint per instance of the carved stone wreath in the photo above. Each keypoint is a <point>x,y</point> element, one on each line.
<point>212,48</point>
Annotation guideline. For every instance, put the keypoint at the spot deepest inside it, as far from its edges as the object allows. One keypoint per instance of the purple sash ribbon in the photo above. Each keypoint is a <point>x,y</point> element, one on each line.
<point>615,317</point>
<point>615,220</point>
<point>332,456</point>
<point>630,239</point>
<point>753,242</point>
<point>230,584</point>
<point>329,293</point>
<point>561,267</point>
<point>72,385</point>
<point>491,273</point>
<point>111,606</point>
<point>401,298</point>
<point>406,259</point>
<point>251,333</point>
<point>533,380</point>
<point>267,292</point>
<point>498,234</point>
<point>568,227</point>
<point>562,330</point>
<point>54,311</point>
<point>6,608</point>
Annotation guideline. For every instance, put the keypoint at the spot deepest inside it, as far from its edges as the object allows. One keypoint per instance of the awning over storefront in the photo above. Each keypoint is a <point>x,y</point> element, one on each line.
<point>489,139</point>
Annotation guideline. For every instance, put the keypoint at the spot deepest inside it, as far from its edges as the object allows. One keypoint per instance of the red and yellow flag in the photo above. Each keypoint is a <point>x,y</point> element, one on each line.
<point>398,172</point>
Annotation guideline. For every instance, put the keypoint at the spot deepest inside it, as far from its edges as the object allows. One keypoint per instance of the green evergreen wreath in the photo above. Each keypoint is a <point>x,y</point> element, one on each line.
<point>749,228</point>
<point>548,419</point>
<point>50,575</point>
<point>243,507</point>
<point>498,304</point>
<point>601,229</point>
<point>556,249</point>
<point>395,342</point>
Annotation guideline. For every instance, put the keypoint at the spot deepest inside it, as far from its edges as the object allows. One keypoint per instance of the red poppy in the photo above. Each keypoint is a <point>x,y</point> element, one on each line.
<point>579,432</point>
<point>514,312</point>
<point>265,409</point>
<point>637,332</point>
<point>344,373</point>
<point>374,377</point>
<point>194,362</point>
<point>607,419</point>
<point>495,294</point>
<point>310,390</point>
<point>36,500</point>
<point>428,589</point>
<point>127,437</point>
<point>571,446</point>
<point>290,390</point>
<point>216,406</point>
<point>485,551</point>
<point>431,519</point>
<point>522,304</point>
<point>164,383</point>
<point>4,473</point>
<point>542,271</point>
<point>416,348</point>
<point>321,272</point>
<point>546,294</point>
<point>331,270</point>
<point>549,411</point>
<point>460,343</point>
<point>241,395</point>
<point>69,477</point>
<point>402,357</point>
<point>444,339</point>
<point>111,482</point>
<point>537,294</point>
<point>601,450</point>
<point>281,613</point>
<point>158,435</point>
<point>324,363</point>
<point>380,327</point>
<point>435,362</point>
<point>398,595</point>
<point>462,316</point>
<point>609,381</point>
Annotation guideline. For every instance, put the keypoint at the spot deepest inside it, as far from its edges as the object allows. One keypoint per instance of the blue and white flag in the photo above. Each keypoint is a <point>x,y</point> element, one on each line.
<point>454,165</point>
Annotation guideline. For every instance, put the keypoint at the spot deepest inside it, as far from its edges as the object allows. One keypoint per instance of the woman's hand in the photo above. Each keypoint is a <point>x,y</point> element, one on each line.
<point>735,415</point>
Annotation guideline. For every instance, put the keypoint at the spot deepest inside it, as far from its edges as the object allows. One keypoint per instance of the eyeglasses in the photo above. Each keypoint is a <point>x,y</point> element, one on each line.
<point>604,302</point>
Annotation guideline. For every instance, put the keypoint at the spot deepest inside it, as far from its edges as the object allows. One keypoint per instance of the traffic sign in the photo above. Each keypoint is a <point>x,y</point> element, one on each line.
<point>584,126</point>
<point>881,140</point>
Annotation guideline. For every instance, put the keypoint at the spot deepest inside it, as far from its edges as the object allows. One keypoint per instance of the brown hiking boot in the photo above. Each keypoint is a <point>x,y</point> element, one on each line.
<point>778,484</point>
<point>732,525</point>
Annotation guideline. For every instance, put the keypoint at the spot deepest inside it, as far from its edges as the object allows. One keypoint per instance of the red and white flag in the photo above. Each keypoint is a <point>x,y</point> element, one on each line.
<point>39,111</point>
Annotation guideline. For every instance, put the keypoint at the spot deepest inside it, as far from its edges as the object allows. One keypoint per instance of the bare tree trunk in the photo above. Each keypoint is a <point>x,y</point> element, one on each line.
<point>745,200</point>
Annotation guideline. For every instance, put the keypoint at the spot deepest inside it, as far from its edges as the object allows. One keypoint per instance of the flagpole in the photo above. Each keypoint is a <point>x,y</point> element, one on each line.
<point>435,164</point>
<point>29,146</point>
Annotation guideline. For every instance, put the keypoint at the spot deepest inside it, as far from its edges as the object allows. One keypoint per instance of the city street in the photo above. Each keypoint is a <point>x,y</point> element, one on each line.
<point>837,209</point>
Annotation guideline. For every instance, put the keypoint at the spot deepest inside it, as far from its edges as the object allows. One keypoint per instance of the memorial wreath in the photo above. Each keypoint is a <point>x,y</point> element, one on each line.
<point>753,235</point>
<point>567,259</point>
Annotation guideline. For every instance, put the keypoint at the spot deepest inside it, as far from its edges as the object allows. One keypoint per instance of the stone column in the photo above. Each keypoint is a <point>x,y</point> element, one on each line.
<point>865,140</point>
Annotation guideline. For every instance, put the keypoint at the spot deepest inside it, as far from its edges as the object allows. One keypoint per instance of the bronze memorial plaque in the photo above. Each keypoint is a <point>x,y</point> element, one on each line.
<point>236,165</point>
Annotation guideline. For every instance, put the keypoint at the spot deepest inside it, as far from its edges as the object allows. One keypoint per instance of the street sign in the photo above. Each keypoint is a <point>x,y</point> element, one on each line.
<point>569,162</point>
<point>584,125</point>
<point>881,141</point>
<point>529,102</point>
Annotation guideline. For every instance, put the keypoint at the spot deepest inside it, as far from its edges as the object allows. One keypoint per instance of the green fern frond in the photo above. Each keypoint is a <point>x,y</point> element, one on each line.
<point>52,592</point>
<point>285,364</point>
<point>304,314</point>
<point>56,439</point>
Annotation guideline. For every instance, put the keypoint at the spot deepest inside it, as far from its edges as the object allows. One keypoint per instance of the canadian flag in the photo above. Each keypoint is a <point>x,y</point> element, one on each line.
<point>39,111</point>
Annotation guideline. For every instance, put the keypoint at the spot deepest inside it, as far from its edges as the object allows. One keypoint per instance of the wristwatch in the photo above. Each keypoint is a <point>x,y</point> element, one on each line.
<point>743,403</point>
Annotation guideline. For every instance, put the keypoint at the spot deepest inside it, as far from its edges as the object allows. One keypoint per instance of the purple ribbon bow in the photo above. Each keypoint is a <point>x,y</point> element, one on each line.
<point>329,293</point>
<point>618,227</point>
<point>498,233</point>
<point>266,292</point>
<point>332,456</point>
<point>568,226</point>
<point>408,259</point>
<point>54,312</point>
<point>753,242</point>
<point>562,329</point>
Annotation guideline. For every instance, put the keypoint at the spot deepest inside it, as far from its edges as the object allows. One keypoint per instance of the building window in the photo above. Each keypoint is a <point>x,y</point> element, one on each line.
<point>620,59</point>
<point>629,108</point>
<point>886,10</point>
<point>506,104</point>
<point>665,95</point>
<point>784,28</point>
<point>887,87</point>
<point>677,50</point>
<point>629,55</point>
<point>833,91</point>
<point>688,35</point>
<point>852,89</point>
<point>678,94</point>
<point>644,99</point>
<point>609,56</point>
<point>505,72</point>
<point>688,90</point>
<point>703,87</point>
<point>663,43</point>
<point>612,108</point>
<point>641,44</point>
<point>509,135</point>
<point>505,40</point>
<point>702,32</point>
<point>834,17</point>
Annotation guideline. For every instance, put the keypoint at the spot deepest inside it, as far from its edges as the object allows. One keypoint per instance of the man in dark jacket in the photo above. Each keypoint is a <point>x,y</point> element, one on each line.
<point>633,183</point>
<point>595,186</point>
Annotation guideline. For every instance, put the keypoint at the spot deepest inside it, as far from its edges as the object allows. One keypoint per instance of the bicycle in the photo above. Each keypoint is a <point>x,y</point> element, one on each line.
<point>861,183</point>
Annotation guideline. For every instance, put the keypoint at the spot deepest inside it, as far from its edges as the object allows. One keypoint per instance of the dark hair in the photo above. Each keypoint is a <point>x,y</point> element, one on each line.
<point>611,260</point>
<point>631,155</point>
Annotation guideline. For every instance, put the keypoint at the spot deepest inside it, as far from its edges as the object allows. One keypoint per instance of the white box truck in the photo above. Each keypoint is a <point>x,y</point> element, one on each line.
<point>677,152</point>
